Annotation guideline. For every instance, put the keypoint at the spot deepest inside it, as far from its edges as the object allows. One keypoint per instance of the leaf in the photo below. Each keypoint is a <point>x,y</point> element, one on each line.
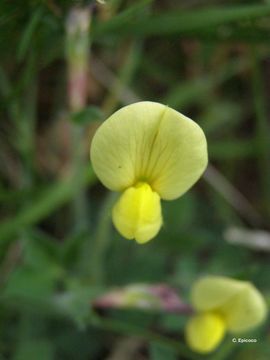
<point>42,254</point>
<point>197,90</point>
<point>232,149</point>
<point>28,283</point>
<point>76,302</point>
<point>49,200</point>
<point>122,20</point>
<point>28,34</point>
<point>182,22</point>
<point>41,349</point>
<point>87,115</point>
<point>160,352</point>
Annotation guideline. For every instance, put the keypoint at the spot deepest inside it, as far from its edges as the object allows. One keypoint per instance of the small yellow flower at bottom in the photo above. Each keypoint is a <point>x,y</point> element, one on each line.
<point>137,214</point>
<point>222,305</point>
<point>205,331</point>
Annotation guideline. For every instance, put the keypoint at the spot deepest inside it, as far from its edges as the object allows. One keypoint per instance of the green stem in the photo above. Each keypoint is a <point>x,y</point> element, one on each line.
<point>80,200</point>
<point>97,250</point>
<point>225,351</point>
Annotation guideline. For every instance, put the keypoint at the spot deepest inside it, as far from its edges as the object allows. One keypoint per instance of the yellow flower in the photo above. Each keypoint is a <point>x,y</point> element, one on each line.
<point>137,214</point>
<point>205,331</point>
<point>148,152</point>
<point>222,304</point>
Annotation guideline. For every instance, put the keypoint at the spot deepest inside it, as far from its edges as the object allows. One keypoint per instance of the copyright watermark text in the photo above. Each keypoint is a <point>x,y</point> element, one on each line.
<point>244,340</point>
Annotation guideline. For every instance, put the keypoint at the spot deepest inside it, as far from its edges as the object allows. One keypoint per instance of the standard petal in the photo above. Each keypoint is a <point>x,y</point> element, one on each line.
<point>178,155</point>
<point>121,146</point>
<point>245,310</point>
<point>212,292</point>
<point>149,142</point>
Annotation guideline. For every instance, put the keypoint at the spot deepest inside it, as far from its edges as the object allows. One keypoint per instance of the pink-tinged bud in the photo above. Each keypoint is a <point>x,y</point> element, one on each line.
<point>158,297</point>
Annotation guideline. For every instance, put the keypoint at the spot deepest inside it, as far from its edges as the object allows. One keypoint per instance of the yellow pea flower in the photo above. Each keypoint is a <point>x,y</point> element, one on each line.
<point>148,152</point>
<point>222,304</point>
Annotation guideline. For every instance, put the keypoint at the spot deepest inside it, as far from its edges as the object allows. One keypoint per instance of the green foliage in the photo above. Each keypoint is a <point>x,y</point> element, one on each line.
<point>40,349</point>
<point>58,249</point>
<point>158,352</point>
<point>87,115</point>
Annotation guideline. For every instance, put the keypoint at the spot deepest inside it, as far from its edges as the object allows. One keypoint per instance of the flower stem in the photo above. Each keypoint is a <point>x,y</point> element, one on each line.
<point>94,251</point>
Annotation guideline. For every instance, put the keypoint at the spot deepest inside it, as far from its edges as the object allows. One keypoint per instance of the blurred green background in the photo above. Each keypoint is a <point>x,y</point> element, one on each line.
<point>208,59</point>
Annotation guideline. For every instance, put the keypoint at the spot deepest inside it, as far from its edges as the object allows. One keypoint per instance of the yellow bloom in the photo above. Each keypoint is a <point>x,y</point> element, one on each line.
<point>137,214</point>
<point>205,331</point>
<point>149,152</point>
<point>223,304</point>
